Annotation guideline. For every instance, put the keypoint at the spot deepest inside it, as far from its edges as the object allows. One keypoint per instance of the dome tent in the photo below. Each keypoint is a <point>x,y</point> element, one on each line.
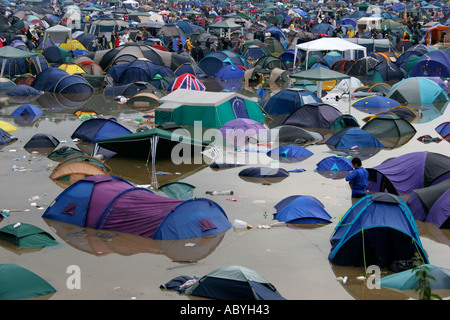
<point>137,70</point>
<point>301,209</point>
<point>216,60</point>
<point>377,230</point>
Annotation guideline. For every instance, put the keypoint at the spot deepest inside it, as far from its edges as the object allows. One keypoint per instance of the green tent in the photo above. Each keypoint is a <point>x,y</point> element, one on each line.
<point>212,109</point>
<point>17,283</point>
<point>9,52</point>
<point>27,236</point>
<point>178,190</point>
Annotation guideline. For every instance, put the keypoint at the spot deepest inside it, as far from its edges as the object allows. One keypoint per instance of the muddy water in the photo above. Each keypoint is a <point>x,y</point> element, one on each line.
<point>122,266</point>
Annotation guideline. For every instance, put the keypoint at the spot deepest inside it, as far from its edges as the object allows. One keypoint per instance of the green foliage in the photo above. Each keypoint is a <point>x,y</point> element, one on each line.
<point>421,272</point>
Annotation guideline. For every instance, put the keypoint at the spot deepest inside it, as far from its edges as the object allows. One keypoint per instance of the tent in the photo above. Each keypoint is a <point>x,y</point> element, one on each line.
<point>444,130</point>
<point>110,203</point>
<point>351,138</point>
<point>255,52</point>
<point>375,104</point>
<point>186,81</point>
<point>347,48</point>
<point>137,70</point>
<point>7,127</point>
<point>153,144</point>
<point>377,230</point>
<point>77,167</point>
<point>431,204</point>
<point>41,141</point>
<point>419,91</point>
<point>289,153</point>
<point>432,64</point>
<point>6,138</point>
<point>213,109</point>
<point>263,174</point>
<point>408,279</point>
<point>288,134</point>
<point>18,283</point>
<point>26,235</point>
<point>93,130</point>
<point>286,101</point>
<point>8,52</point>
<point>391,130</point>
<point>403,174</point>
<point>216,60</point>
<point>230,72</point>
<point>27,113</point>
<point>23,93</point>
<point>320,74</point>
<point>63,153</point>
<point>191,68</point>
<point>320,115</point>
<point>334,167</point>
<point>58,34</point>
<point>178,190</point>
<point>301,209</point>
<point>240,130</point>
<point>234,283</point>
<point>59,81</point>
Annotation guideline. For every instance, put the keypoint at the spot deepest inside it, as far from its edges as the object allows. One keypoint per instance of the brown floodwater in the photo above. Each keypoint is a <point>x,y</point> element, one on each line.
<point>123,266</point>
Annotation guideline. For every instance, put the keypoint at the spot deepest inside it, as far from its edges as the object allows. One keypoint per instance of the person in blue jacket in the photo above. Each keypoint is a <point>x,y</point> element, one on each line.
<point>357,179</point>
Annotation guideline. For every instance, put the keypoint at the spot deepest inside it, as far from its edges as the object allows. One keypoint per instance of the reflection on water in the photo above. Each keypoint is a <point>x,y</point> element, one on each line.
<point>104,242</point>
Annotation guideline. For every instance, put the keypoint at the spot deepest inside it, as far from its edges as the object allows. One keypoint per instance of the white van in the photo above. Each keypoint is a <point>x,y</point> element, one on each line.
<point>131,4</point>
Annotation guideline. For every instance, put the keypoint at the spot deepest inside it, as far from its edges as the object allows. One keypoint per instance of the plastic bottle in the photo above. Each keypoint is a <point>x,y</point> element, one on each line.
<point>219,193</point>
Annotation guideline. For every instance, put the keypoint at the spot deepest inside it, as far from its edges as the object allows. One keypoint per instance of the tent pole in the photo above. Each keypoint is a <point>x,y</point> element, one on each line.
<point>350,96</point>
<point>3,67</point>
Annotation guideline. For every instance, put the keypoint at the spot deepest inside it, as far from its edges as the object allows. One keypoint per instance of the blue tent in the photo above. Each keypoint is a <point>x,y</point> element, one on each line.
<point>193,218</point>
<point>377,230</point>
<point>23,93</point>
<point>263,174</point>
<point>434,64</point>
<point>5,137</point>
<point>277,33</point>
<point>27,113</point>
<point>301,210</point>
<point>289,153</point>
<point>230,72</point>
<point>96,129</point>
<point>286,101</point>
<point>191,68</point>
<point>138,70</point>
<point>56,80</point>
<point>216,60</point>
<point>352,138</point>
<point>288,58</point>
<point>334,167</point>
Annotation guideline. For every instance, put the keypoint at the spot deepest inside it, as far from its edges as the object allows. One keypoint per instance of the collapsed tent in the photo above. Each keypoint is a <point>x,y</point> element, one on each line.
<point>403,174</point>
<point>6,138</point>
<point>444,130</point>
<point>377,230</point>
<point>263,174</point>
<point>234,283</point>
<point>18,283</point>
<point>93,130</point>
<point>288,134</point>
<point>23,93</point>
<point>320,115</point>
<point>59,81</point>
<point>431,204</point>
<point>26,235</point>
<point>110,203</point>
<point>178,190</point>
<point>301,209</point>
<point>213,109</point>
<point>390,130</point>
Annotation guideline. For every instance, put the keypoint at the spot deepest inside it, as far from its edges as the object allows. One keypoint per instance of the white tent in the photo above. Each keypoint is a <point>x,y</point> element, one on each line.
<point>347,48</point>
<point>58,34</point>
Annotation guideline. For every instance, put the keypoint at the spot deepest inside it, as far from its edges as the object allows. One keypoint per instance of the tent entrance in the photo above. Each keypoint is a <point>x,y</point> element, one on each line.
<point>239,109</point>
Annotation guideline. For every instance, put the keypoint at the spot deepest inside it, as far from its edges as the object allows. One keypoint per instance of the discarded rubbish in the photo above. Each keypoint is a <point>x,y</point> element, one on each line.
<point>232,199</point>
<point>220,193</point>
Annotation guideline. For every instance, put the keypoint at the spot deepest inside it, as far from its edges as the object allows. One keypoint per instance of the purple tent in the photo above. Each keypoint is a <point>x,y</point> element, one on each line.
<point>238,131</point>
<point>408,172</point>
<point>432,204</point>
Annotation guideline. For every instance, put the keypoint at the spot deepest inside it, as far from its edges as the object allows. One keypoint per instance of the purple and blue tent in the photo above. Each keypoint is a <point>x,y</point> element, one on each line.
<point>403,174</point>
<point>110,203</point>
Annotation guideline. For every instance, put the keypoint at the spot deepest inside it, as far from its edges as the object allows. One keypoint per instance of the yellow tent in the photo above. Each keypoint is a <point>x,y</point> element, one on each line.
<point>71,68</point>
<point>7,127</point>
<point>75,45</point>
